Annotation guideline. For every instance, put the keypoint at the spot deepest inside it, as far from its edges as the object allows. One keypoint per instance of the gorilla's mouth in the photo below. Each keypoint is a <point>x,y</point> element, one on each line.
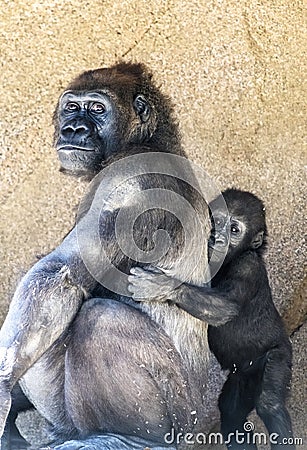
<point>218,243</point>
<point>72,148</point>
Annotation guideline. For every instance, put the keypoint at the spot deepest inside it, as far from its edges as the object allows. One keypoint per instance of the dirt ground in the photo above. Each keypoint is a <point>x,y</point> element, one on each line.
<point>236,72</point>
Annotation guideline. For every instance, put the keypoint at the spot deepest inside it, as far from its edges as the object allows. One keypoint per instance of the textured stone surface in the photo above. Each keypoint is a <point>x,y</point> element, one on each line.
<point>236,72</point>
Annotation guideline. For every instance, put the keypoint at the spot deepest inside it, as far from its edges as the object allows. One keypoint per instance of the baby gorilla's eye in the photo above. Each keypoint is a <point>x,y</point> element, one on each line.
<point>235,229</point>
<point>71,106</point>
<point>97,108</point>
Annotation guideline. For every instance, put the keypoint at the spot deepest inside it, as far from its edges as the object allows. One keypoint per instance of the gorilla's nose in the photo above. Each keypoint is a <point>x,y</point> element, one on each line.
<point>71,130</point>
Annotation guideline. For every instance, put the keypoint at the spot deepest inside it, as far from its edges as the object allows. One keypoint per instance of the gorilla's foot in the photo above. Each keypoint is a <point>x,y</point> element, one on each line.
<point>12,439</point>
<point>109,442</point>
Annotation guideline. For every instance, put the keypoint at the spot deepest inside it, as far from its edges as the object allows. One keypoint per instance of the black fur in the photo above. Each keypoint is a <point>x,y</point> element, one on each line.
<point>253,346</point>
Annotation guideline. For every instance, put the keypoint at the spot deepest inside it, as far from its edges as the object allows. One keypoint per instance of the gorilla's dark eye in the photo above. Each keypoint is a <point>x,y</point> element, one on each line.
<point>235,229</point>
<point>71,106</point>
<point>217,221</point>
<point>97,108</point>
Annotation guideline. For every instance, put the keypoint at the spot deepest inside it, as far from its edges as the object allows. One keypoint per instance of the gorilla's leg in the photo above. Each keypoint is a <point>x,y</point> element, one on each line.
<point>271,406</point>
<point>235,402</point>
<point>11,438</point>
<point>44,385</point>
<point>119,379</point>
<point>123,374</point>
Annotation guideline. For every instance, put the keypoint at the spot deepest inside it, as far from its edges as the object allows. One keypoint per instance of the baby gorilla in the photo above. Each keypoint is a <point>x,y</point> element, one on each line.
<point>253,345</point>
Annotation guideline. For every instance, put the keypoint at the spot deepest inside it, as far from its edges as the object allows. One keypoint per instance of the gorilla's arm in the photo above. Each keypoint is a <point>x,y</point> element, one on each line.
<point>208,304</point>
<point>45,302</point>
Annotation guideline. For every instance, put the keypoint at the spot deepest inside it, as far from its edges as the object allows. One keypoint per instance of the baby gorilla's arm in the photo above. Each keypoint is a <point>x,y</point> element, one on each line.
<point>205,303</point>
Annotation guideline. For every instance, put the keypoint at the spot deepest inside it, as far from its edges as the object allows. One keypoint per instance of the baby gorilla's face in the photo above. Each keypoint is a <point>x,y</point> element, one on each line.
<point>227,234</point>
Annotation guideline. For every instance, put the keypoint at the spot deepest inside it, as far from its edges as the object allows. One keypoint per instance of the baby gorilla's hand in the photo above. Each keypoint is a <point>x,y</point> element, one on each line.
<point>148,285</point>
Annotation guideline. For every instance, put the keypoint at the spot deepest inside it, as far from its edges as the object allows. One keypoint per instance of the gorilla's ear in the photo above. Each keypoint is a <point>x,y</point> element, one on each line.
<point>257,240</point>
<point>142,108</point>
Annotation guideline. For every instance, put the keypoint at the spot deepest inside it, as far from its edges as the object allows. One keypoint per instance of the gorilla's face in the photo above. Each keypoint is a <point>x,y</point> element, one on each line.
<point>92,125</point>
<point>239,228</point>
<point>86,130</point>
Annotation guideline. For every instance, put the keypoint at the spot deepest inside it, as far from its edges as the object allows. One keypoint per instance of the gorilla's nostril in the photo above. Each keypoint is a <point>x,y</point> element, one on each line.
<point>72,130</point>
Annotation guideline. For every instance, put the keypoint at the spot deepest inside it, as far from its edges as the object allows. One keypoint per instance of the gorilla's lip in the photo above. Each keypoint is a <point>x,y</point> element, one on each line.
<point>71,148</point>
<point>218,246</point>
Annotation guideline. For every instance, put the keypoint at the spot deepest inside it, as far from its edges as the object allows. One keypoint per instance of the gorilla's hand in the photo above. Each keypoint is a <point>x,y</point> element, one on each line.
<point>151,285</point>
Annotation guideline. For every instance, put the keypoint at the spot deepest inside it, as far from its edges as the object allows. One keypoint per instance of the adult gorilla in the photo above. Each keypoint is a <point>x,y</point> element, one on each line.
<point>94,365</point>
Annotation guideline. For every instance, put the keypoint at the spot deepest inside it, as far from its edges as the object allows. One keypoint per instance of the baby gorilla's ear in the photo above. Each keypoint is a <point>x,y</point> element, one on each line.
<point>257,240</point>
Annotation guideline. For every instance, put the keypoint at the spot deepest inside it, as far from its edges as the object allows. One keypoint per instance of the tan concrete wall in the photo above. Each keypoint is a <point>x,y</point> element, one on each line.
<point>236,71</point>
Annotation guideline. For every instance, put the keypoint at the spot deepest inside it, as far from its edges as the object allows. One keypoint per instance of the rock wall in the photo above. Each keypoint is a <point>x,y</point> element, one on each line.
<point>236,72</point>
